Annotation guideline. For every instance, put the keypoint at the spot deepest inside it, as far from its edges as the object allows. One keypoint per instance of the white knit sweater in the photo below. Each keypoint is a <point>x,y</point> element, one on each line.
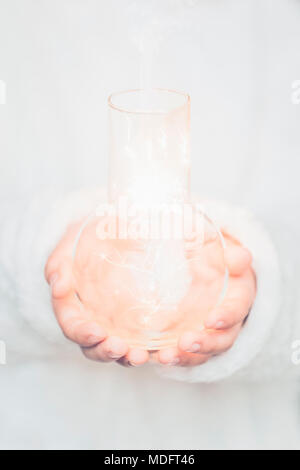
<point>27,239</point>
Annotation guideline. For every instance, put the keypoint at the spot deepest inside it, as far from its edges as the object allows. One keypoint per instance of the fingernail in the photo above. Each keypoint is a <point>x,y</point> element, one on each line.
<point>218,324</point>
<point>53,279</point>
<point>194,348</point>
<point>114,355</point>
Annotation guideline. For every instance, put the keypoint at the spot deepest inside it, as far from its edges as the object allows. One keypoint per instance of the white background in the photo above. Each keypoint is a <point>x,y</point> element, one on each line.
<point>60,59</point>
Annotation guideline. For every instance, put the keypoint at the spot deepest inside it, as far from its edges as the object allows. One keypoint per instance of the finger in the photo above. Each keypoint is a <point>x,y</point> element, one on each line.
<point>112,349</point>
<point>169,356</point>
<point>214,342</point>
<point>190,342</point>
<point>86,333</point>
<point>59,255</point>
<point>52,267</point>
<point>77,325</point>
<point>237,259</point>
<point>60,278</point>
<point>191,360</point>
<point>176,357</point>
<point>235,307</point>
<point>61,252</point>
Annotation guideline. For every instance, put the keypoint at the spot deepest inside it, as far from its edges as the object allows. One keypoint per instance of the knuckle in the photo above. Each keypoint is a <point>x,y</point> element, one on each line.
<point>204,359</point>
<point>208,347</point>
<point>69,330</point>
<point>51,264</point>
<point>227,344</point>
<point>231,322</point>
<point>56,292</point>
<point>67,335</point>
<point>87,355</point>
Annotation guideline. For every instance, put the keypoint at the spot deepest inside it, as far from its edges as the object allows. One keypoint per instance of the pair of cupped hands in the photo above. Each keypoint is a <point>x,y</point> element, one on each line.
<point>221,328</point>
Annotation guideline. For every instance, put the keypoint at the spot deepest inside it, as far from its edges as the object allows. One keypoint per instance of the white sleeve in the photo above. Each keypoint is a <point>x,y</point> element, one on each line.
<point>29,231</point>
<point>263,346</point>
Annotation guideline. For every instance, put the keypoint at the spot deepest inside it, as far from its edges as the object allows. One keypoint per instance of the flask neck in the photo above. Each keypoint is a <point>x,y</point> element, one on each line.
<point>150,152</point>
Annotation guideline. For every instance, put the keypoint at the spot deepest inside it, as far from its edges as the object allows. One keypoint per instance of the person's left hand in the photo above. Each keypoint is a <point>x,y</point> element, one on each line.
<point>224,324</point>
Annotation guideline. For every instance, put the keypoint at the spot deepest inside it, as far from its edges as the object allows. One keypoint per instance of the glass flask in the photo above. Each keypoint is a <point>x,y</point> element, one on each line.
<point>148,263</point>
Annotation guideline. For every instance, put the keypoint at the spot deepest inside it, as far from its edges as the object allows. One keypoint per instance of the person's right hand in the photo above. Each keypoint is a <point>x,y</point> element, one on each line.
<point>76,324</point>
